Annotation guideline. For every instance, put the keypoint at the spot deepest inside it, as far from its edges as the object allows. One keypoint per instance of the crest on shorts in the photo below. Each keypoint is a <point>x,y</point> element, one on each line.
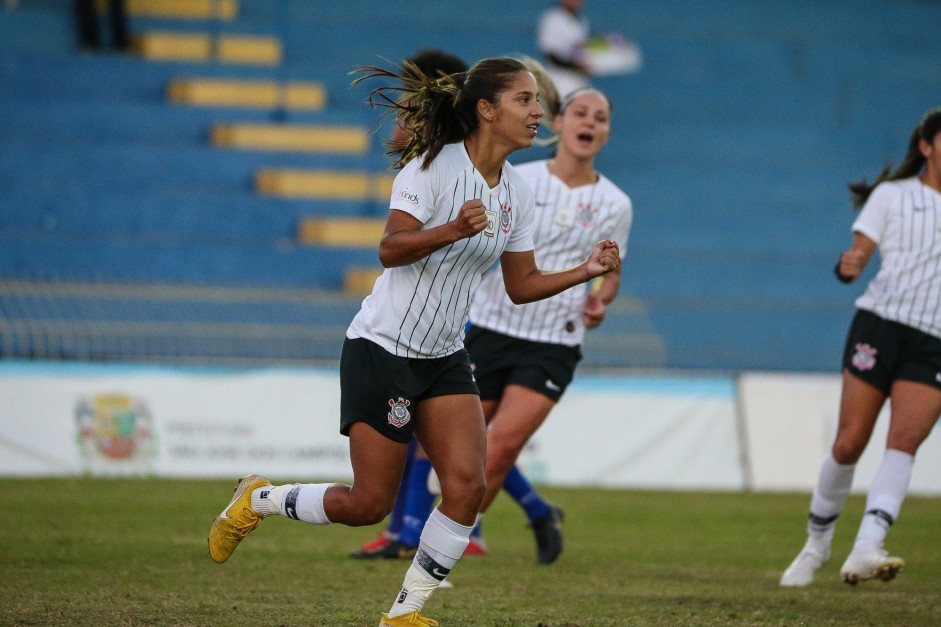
<point>865,357</point>
<point>399,415</point>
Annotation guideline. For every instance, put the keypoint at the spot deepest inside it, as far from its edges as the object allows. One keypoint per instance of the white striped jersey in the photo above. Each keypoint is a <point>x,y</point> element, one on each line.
<point>419,310</point>
<point>569,222</point>
<point>904,218</point>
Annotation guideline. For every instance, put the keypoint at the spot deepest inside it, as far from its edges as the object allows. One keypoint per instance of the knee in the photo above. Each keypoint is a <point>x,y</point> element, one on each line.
<point>848,450</point>
<point>502,456</point>
<point>372,515</point>
<point>368,510</point>
<point>466,487</point>
<point>851,440</point>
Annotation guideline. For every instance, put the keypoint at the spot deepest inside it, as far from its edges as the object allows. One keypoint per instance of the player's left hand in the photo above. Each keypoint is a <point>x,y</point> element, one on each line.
<point>593,314</point>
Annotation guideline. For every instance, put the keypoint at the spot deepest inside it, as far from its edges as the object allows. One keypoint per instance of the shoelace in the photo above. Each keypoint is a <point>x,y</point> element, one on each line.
<point>418,619</point>
<point>242,525</point>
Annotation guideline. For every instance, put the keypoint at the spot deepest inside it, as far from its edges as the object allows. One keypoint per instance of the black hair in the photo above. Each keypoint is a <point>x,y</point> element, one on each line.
<point>433,62</point>
<point>440,110</point>
<point>911,165</point>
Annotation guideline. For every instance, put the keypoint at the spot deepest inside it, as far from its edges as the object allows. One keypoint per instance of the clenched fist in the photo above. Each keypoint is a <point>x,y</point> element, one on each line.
<point>471,218</point>
<point>603,259</point>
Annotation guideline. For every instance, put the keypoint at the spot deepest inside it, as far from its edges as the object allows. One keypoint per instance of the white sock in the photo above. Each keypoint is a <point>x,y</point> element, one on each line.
<point>884,501</point>
<point>441,545</point>
<point>260,501</point>
<point>826,503</point>
<point>300,501</point>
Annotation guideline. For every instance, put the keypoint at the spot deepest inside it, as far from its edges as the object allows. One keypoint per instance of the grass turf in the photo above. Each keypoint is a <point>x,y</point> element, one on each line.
<point>133,552</point>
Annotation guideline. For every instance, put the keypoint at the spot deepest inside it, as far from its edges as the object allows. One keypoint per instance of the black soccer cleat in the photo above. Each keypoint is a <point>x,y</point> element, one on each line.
<point>548,531</point>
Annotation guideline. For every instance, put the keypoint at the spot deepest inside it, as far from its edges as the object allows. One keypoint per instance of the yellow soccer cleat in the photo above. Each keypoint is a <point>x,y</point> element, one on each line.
<point>236,520</point>
<point>406,620</point>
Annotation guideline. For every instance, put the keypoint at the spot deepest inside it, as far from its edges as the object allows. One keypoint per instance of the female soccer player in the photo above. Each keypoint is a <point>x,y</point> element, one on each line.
<point>524,356</point>
<point>893,349</point>
<point>457,207</point>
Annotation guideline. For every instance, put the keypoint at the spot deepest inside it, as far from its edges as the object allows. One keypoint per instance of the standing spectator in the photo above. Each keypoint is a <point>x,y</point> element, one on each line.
<point>457,207</point>
<point>893,349</point>
<point>89,29</point>
<point>562,37</point>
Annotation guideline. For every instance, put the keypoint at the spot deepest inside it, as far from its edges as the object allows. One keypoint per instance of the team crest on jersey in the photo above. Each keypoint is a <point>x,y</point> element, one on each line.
<point>399,416</point>
<point>586,214</point>
<point>865,357</point>
<point>506,217</point>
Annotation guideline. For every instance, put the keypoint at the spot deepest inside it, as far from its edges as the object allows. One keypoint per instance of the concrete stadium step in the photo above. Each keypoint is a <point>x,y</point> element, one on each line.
<point>164,214</point>
<point>340,231</point>
<point>90,166</point>
<point>325,184</point>
<point>28,119</point>
<point>307,138</point>
<point>268,94</point>
<point>225,10</point>
<point>162,321</point>
<point>184,46</point>
<point>120,259</point>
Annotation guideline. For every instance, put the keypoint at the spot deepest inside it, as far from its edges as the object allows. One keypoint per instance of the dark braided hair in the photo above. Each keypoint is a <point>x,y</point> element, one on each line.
<point>440,109</point>
<point>911,165</point>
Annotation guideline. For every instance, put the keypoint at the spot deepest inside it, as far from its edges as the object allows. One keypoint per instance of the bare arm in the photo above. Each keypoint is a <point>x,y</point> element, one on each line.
<point>854,261</point>
<point>404,241</point>
<point>526,283</point>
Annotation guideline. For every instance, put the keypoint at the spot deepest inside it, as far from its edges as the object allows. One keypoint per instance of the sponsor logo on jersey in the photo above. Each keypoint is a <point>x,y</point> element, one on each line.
<point>865,357</point>
<point>399,416</point>
<point>409,197</point>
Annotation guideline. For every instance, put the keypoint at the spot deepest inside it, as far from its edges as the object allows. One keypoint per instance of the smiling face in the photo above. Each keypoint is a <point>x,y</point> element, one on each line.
<point>584,126</point>
<point>517,113</point>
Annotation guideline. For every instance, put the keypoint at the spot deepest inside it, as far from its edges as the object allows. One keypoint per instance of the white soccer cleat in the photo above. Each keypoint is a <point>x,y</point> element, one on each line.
<point>802,570</point>
<point>871,564</point>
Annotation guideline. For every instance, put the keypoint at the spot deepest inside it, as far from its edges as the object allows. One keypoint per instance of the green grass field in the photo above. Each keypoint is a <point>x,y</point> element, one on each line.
<point>133,552</point>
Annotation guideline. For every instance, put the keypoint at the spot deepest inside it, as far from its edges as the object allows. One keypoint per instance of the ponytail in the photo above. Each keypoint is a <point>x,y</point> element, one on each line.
<point>438,110</point>
<point>911,165</point>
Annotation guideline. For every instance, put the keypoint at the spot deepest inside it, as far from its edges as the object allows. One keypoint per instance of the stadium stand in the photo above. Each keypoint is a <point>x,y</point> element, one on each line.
<point>143,217</point>
<point>262,94</point>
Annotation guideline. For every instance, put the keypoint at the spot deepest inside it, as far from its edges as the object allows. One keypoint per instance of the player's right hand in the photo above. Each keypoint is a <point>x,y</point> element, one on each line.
<point>850,265</point>
<point>471,219</point>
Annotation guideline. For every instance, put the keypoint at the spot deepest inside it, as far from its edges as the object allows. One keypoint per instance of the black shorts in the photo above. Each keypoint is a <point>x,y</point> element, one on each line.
<point>881,351</point>
<point>383,390</point>
<point>499,360</point>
